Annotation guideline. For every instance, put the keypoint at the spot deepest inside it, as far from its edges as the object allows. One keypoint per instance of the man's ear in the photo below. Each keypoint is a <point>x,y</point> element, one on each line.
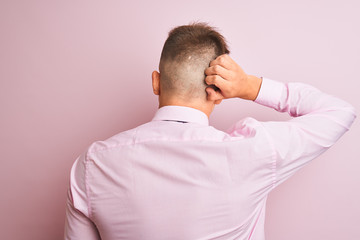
<point>213,95</point>
<point>156,82</point>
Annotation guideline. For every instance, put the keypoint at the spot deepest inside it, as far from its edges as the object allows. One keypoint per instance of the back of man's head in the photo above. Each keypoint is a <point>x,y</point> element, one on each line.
<point>186,54</point>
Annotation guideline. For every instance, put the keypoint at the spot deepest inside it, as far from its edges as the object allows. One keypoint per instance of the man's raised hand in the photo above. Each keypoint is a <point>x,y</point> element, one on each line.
<point>231,79</point>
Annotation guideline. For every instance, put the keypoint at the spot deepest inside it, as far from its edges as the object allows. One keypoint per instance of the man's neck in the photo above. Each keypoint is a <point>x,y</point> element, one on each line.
<point>206,108</point>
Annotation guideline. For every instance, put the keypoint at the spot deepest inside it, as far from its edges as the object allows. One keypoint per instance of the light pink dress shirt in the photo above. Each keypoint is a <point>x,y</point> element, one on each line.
<point>176,177</point>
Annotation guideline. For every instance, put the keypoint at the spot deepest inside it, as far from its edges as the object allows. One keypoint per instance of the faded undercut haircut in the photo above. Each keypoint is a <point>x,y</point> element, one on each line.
<point>186,54</point>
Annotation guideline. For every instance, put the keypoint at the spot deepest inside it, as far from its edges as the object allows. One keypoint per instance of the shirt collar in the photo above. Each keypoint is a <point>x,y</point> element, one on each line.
<point>181,113</point>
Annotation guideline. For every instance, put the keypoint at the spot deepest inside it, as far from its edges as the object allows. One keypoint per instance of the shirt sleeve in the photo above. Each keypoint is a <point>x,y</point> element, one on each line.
<point>319,120</point>
<point>78,224</point>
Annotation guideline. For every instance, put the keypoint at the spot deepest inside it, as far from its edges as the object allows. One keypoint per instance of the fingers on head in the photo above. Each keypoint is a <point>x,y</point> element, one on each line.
<point>214,80</point>
<point>221,60</point>
<point>216,70</point>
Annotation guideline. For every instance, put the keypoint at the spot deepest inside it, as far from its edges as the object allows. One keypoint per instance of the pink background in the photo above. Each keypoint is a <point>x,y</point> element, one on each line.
<point>72,72</point>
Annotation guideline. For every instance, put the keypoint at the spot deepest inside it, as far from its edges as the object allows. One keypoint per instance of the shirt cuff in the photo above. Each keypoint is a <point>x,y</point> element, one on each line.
<point>270,93</point>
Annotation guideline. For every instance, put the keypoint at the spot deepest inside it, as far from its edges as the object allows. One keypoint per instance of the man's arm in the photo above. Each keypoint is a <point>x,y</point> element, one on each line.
<point>319,119</point>
<point>77,223</point>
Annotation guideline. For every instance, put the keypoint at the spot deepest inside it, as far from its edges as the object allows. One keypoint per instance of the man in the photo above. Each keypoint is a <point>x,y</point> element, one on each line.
<point>176,177</point>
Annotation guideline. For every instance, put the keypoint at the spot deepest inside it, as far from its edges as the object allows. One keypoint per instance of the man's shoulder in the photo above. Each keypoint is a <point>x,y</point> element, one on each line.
<point>158,131</point>
<point>126,137</point>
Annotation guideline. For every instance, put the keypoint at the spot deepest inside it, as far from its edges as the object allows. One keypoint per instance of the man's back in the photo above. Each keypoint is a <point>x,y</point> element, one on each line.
<point>178,180</point>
